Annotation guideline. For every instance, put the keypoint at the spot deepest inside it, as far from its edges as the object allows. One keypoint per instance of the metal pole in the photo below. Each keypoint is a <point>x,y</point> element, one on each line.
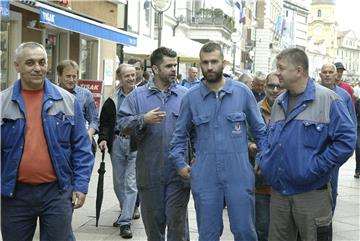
<point>234,57</point>
<point>160,28</point>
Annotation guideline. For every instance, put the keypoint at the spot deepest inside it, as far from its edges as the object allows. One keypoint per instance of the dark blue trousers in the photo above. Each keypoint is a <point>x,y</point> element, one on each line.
<point>53,207</point>
<point>165,206</point>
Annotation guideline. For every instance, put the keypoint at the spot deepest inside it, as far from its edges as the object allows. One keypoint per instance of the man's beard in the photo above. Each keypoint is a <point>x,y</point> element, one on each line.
<point>217,78</point>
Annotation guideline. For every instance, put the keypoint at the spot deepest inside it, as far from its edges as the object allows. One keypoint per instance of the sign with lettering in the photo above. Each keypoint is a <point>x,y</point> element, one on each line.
<point>95,87</point>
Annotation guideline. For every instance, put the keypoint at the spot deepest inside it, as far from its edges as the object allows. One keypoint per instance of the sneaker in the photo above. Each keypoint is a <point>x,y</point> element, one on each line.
<point>125,231</point>
<point>357,174</point>
<point>136,214</point>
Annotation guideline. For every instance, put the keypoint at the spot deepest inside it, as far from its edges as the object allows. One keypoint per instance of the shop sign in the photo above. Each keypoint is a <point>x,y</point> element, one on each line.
<point>5,8</point>
<point>95,87</point>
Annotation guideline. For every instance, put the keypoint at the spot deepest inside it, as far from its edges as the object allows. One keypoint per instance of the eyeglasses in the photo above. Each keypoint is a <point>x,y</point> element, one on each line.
<point>272,87</point>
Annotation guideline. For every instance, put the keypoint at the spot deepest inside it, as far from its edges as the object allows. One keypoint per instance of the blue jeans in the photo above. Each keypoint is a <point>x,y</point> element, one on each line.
<point>262,216</point>
<point>124,178</point>
<point>357,151</point>
<point>45,201</point>
<point>165,206</point>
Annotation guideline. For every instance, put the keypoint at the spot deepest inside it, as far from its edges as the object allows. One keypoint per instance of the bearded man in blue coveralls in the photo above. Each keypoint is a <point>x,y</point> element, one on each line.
<point>218,110</point>
<point>149,113</point>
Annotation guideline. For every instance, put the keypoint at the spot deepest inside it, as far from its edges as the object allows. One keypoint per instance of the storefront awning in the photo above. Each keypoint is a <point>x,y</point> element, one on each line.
<point>69,21</point>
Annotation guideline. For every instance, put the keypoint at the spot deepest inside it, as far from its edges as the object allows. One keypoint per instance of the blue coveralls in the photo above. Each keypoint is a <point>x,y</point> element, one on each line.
<point>163,194</point>
<point>222,170</point>
<point>351,108</point>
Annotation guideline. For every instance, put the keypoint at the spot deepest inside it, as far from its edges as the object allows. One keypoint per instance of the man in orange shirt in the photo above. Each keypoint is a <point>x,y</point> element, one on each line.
<point>46,154</point>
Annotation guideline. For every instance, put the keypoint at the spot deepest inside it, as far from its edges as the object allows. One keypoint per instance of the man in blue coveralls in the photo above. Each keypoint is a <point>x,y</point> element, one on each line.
<point>328,79</point>
<point>218,110</point>
<point>150,112</point>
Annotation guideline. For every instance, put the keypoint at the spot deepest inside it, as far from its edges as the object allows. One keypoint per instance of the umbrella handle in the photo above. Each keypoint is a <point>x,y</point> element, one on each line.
<point>103,155</point>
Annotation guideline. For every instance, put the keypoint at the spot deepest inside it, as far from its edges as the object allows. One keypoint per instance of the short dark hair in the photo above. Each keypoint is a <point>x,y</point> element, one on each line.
<point>133,61</point>
<point>158,54</point>
<point>295,56</point>
<point>211,46</point>
<point>63,64</point>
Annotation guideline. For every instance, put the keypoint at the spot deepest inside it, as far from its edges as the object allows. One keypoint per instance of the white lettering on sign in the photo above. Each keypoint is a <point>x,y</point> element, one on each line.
<point>48,17</point>
<point>90,87</point>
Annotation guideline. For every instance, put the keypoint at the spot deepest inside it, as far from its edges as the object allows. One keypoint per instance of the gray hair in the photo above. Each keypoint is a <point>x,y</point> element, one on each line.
<point>120,69</point>
<point>30,45</point>
<point>245,77</point>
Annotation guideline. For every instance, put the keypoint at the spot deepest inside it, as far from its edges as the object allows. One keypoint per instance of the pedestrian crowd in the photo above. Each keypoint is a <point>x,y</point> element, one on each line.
<point>268,148</point>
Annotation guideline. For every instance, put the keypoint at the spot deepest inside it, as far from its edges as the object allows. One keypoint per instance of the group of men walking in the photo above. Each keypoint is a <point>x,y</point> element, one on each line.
<point>181,139</point>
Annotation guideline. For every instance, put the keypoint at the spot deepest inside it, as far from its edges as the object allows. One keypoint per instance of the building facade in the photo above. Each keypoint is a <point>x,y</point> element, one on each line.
<point>295,15</point>
<point>87,32</point>
<point>322,35</point>
<point>269,32</point>
<point>348,53</point>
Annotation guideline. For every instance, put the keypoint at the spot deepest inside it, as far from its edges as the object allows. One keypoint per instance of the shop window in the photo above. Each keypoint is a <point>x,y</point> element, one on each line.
<point>4,53</point>
<point>133,19</point>
<point>147,19</point>
<point>51,51</point>
<point>88,59</point>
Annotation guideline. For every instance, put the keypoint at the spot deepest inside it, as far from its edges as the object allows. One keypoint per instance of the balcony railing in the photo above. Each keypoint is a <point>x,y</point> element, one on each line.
<point>218,21</point>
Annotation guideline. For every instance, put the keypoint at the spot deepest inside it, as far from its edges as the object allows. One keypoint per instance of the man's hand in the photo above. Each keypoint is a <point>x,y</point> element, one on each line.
<point>103,145</point>
<point>154,116</point>
<point>257,169</point>
<point>91,132</point>
<point>185,172</point>
<point>252,150</point>
<point>78,199</point>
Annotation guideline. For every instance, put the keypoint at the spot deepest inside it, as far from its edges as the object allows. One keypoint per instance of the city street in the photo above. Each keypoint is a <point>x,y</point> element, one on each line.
<point>346,225</point>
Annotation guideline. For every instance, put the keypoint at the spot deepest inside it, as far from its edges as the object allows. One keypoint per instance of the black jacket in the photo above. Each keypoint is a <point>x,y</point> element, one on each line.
<point>107,123</point>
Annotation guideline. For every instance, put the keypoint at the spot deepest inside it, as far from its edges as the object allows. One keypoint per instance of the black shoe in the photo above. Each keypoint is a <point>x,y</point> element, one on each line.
<point>136,214</point>
<point>357,174</point>
<point>125,231</point>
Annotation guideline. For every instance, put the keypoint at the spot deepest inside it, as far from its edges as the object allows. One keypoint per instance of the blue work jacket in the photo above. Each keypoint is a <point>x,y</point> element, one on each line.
<point>65,133</point>
<point>219,121</point>
<point>303,148</point>
<point>152,164</point>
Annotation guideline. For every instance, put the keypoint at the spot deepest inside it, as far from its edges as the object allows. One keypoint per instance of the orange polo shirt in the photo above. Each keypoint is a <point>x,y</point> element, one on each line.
<point>35,165</point>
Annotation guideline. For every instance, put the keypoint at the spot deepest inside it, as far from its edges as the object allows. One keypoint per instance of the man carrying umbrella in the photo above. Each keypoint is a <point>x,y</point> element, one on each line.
<point>122,155</point>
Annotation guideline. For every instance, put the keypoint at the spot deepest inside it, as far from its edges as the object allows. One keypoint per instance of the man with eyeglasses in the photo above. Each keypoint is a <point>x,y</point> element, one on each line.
<point>262,188</point>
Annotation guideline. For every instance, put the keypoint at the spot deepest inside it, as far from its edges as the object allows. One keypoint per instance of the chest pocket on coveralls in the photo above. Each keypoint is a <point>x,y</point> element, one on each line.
<point>64,125</point>
<point>238,127</point>
<point>202,126</point>
<point>312,133</point>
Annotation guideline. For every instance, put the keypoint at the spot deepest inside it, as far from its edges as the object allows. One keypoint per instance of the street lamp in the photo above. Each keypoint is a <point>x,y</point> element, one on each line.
<point>235,37</point>
<point>160,6</point>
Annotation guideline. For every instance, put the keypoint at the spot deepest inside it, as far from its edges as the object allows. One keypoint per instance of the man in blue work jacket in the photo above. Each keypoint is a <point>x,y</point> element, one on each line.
<point>310,134</point>
<point>46,159</point>
<point>149,112</point>
<point>218,110</point>
<point>328,79</point>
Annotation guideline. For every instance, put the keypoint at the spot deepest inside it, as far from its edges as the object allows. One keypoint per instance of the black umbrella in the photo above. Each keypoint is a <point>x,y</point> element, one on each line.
<point>100,187</point>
